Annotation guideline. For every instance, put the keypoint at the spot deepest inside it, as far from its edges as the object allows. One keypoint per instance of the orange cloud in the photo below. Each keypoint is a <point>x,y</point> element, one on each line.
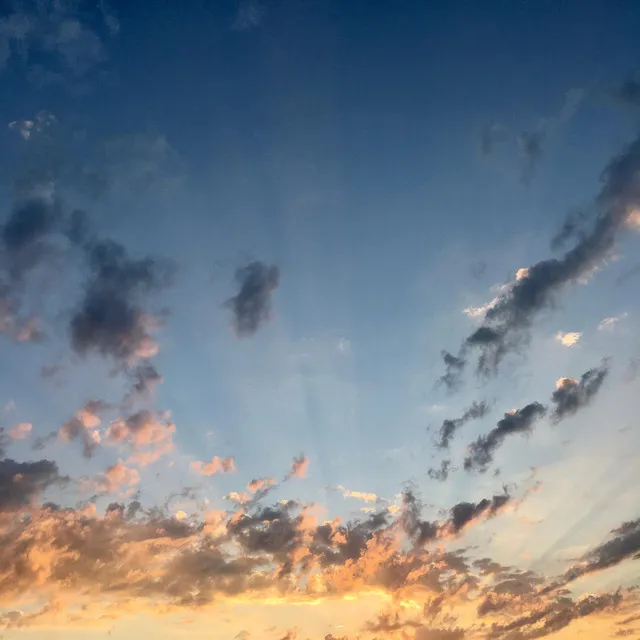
<point>215,465</point>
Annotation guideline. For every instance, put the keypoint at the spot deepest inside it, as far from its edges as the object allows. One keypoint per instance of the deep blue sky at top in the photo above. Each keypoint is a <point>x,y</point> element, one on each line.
<point>340,140</point>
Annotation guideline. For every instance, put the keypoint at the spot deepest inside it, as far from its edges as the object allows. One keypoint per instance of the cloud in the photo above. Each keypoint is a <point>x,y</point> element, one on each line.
<point>251,306</point>
<point>568,339</point>
<point>518,421</point>
<point>454,366</point>
<point>299,466</point>
<point>623,544</point>
<point>21,431</point>
<point>145,378</point>
<point>531,143</point>
<point>56,34</point>
<point>116,478</point>
<point>450,426</point>
<point>441,474</point>
<point>23,482</point>
<point>84,426</point>
<point>215,465</point>
<point>110,320</point>
<point>148,434</point>
<point>571,395</point>
<point>249,15</point>
<point>506,325</point>
<point>611,322</point>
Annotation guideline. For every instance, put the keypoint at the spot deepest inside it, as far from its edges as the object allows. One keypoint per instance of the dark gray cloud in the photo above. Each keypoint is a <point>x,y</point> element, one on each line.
<point>572,229</point>
<point>507,323</point>
<point>624,544</point>
<point>463,513</point>
<point>110,319</point>
<point>21,482</point>
<point>441,474</point>
<point>454,367</point>
<point>572,395</point>
<point>450,426</point>
<point>520,421</point>
<point>251,306</point>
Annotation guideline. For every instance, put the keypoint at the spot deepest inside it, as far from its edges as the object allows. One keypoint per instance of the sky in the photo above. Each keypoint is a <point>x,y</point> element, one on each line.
<point>318,320</point>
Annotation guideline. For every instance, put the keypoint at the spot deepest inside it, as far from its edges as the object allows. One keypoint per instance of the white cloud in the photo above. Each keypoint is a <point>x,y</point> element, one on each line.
<point>568,339</point>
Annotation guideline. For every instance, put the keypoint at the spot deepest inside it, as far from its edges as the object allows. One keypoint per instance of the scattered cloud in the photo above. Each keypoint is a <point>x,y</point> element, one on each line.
<point>251,306</point>
<point>299,467</point>
<point>571,395</point>
<point>568,339</point>
<point>506,325</point>
<point>517,421</point>
<point>215,465</point>
<point>450,426</point>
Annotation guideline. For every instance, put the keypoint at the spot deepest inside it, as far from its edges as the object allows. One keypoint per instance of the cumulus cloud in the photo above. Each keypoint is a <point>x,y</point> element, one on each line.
<point>117,478</point>
<point>251,306</point>
<point>215,465</point>
<point>110,319</point>
<point>517,421</point>
<point>571,395</point>
<point>450,426</point>
<point>506,325</point>
<point>84,426</point>
<point>148,434</point>
<point>568,339</point>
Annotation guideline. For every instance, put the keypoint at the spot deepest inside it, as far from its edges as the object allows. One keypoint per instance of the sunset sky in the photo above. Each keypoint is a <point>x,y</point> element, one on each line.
<point>318,319</point>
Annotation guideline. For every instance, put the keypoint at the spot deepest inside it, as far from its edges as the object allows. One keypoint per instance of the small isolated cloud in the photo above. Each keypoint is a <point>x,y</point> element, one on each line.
<point>299,467</point>
<point>571,395</point>
<point>249,15</point>
<point>358,495</point>
<point>611,322</point>
<point>21,431</point>
<point>110,320</point>
<point>568,339</point>
<point>441,474</point>
<point>39,125</point>
<point>517,421</point>
<point>215,465</point>
<point>251,306</point>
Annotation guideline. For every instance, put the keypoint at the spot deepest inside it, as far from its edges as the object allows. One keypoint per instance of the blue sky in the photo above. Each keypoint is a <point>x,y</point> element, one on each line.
<point>398,163</point>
